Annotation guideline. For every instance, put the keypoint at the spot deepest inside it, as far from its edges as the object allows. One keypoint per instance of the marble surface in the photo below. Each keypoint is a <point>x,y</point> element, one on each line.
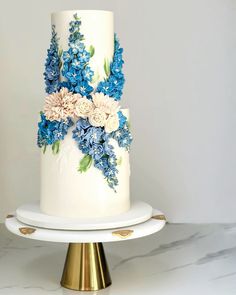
<point>181,259</point>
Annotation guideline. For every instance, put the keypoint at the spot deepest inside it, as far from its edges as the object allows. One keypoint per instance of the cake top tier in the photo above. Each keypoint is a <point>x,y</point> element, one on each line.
<point>93,29</point>
<point>84,81</point>
<point>82,11</point>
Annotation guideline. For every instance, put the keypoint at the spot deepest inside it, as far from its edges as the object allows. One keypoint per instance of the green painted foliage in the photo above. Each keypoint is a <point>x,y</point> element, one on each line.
<point>85,163</point>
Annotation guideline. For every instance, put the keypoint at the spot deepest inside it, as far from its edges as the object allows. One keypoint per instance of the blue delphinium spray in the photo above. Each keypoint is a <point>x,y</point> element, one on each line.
<point>94,143</point>
<point>52,132</point>
<point>113,85</point>
<point>52,65</point>
<point>75,69</point>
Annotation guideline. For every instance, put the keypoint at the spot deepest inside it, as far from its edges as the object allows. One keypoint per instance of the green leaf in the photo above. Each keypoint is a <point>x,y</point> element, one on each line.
<point>91,50</point>
<point>60,51</point>
<point>129,124</point>
<point>56,147</point>
<point>44,148</point>
<point>76,16</point>
<point>107,67</point>
<point>119,161</point>
<point>85,163</point>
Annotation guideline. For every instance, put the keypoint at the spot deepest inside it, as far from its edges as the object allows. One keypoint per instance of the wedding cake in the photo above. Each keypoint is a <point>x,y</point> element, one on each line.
<point>83,132</point>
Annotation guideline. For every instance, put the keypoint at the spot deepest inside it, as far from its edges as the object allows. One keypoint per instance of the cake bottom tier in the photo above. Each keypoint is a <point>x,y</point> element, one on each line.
<point>65,192</point>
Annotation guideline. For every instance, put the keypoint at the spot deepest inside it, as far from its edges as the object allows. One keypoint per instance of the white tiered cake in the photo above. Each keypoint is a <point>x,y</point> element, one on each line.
<point>82,121</point>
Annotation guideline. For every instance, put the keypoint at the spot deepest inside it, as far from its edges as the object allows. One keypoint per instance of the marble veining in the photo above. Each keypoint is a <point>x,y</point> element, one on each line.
<point>225,276</point>
<point>182,259</point>
<point>164,248</point>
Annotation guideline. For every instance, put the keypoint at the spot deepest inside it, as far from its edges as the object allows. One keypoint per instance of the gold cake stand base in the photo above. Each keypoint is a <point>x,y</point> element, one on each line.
<point>85,268</point>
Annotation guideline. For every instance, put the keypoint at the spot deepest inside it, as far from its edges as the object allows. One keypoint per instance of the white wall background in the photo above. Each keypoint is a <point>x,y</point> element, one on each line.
<point>181,89</point>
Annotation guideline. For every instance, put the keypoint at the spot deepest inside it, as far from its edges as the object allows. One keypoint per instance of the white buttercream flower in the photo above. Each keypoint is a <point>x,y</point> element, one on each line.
<point>112,123</point>
<point>60,105</point>
<point>97,117</point>
<point>83,107</point>
<point>106,103</point>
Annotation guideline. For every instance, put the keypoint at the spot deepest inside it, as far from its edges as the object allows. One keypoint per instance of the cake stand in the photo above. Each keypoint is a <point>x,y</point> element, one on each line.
<point>85,266</point>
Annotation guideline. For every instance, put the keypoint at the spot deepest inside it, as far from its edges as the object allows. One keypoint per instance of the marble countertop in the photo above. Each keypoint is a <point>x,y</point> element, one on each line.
<point>181,259</point>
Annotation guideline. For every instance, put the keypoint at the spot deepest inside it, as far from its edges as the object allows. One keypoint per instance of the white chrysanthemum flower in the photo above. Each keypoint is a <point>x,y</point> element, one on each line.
<point>83,107</point>
<point>97,117</point>
<point>60,105</point>
<point>112,123</point>
<point>106,103</point>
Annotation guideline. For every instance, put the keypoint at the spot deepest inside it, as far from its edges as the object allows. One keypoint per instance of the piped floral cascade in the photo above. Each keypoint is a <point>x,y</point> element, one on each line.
<point>72,102</point>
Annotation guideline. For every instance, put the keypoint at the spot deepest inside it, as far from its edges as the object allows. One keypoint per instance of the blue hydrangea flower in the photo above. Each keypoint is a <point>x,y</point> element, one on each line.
<point>52,131</point>
<point>52,65</point>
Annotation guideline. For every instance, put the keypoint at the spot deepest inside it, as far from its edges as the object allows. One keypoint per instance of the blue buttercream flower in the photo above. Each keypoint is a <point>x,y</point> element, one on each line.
<point>77,64</point>
<point>123,136</point>
<point>122,120</point>
<point>108,149</point>
<point>84,56</point>
<point>67,56</point>
<point>110,172</point>
<point>88,73</point>
<point>77,46</point>
<point>52,131</point>
<point>82,124</point>
<point>116,69</point>
<point>83,88</point>
<point>84,147</point>
<point>52,65</point>
<point>73,76</point>
<point>96,151</point>
<point>112,161</point>
<point>52,73</point>
<point>94,135</point>
<point>104,87</point>
<point>102,163</point>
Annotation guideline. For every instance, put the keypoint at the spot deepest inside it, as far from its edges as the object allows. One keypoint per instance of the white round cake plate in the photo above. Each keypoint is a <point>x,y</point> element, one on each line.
<point>154,224</point>
<point>31,214</point>
<point>86,268</point>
